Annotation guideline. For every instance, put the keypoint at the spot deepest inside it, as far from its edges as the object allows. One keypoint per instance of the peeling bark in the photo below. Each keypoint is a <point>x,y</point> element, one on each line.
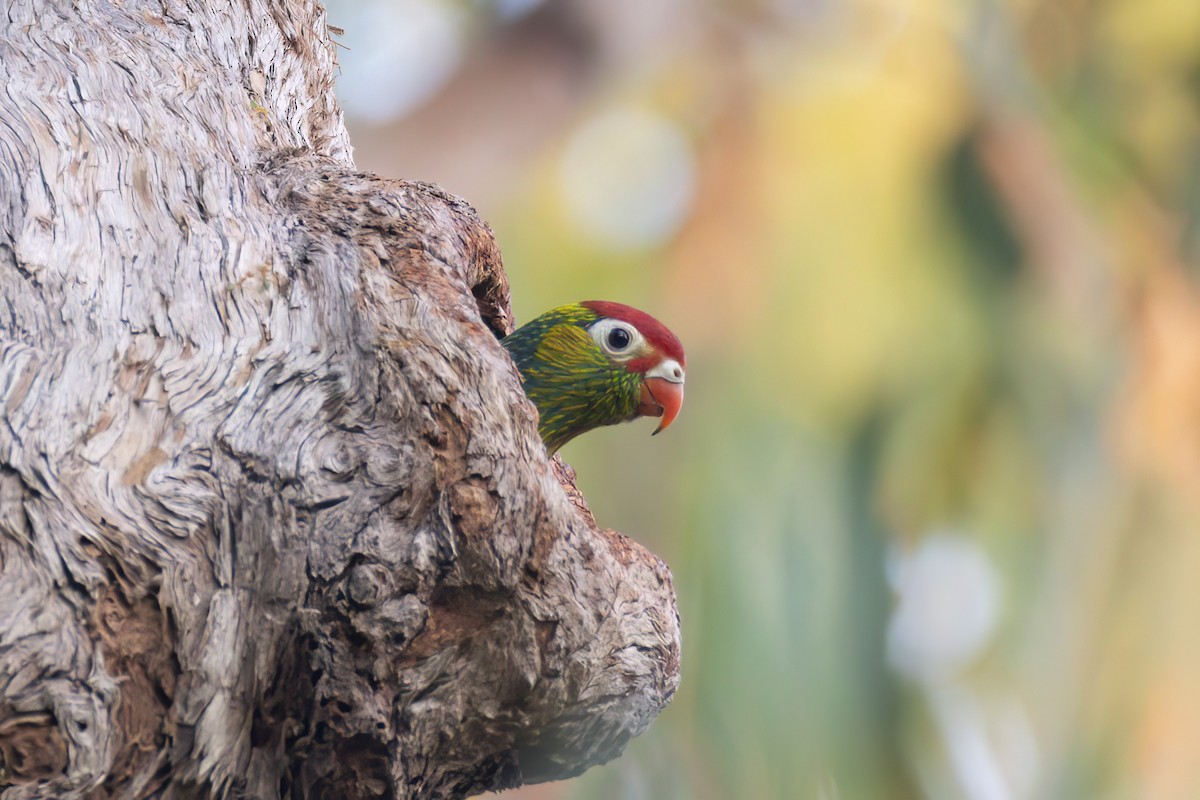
<point>274,517</point>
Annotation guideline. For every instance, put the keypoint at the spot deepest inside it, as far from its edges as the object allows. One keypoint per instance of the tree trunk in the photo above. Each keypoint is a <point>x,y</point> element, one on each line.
<point>274,517</point>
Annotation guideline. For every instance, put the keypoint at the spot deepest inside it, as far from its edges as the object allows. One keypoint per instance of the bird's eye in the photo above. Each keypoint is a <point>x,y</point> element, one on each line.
<point>619,339</point>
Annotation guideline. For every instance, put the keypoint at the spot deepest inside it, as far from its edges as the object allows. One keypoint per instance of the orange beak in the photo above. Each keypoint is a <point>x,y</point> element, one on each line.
<point>661,398</point>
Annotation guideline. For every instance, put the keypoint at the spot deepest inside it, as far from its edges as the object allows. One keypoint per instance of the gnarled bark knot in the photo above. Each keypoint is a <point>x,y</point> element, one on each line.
<point>274,516</point>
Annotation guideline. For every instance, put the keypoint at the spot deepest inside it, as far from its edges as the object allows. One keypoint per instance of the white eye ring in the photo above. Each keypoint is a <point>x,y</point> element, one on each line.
<point>616,338</point>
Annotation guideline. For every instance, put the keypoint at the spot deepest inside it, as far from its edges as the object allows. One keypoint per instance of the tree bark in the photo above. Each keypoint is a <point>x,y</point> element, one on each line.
<point>275,520</point>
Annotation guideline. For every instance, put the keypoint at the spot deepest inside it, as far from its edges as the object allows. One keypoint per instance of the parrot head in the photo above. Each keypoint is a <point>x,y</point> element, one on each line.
<point>597,363</point>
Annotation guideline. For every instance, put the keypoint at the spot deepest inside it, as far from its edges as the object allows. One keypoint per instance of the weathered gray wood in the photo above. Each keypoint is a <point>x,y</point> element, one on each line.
<point>274,517</point>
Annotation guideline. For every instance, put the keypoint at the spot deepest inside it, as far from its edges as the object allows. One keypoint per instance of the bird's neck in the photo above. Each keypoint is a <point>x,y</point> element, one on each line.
<point>585,402</point>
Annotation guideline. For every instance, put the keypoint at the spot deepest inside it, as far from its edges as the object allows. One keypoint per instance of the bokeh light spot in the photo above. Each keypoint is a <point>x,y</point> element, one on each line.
<point>404,51</point>
<point>628,178</point>
<point>949,602</point>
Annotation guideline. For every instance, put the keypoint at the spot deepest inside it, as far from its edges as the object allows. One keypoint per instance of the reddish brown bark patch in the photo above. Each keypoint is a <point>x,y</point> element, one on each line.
<point>32,748</point>
<point>138,651</point>
<point>455,615</point>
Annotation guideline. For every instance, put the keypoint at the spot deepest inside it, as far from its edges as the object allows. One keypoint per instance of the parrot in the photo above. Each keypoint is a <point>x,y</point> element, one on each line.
<point>597,363</point>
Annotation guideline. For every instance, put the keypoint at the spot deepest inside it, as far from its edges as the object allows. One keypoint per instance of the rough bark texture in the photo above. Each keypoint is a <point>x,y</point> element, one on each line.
<point>274,517</point>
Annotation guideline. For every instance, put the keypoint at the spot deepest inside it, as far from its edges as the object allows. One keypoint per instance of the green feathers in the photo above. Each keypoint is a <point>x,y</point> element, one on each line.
<point>573,384</point>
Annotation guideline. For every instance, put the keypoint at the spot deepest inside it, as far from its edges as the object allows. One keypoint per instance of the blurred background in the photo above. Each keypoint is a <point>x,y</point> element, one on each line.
<point>933,503</point>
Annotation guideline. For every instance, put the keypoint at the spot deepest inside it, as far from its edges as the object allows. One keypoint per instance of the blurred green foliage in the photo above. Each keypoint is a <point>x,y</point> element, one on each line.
<point>936,281</point>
